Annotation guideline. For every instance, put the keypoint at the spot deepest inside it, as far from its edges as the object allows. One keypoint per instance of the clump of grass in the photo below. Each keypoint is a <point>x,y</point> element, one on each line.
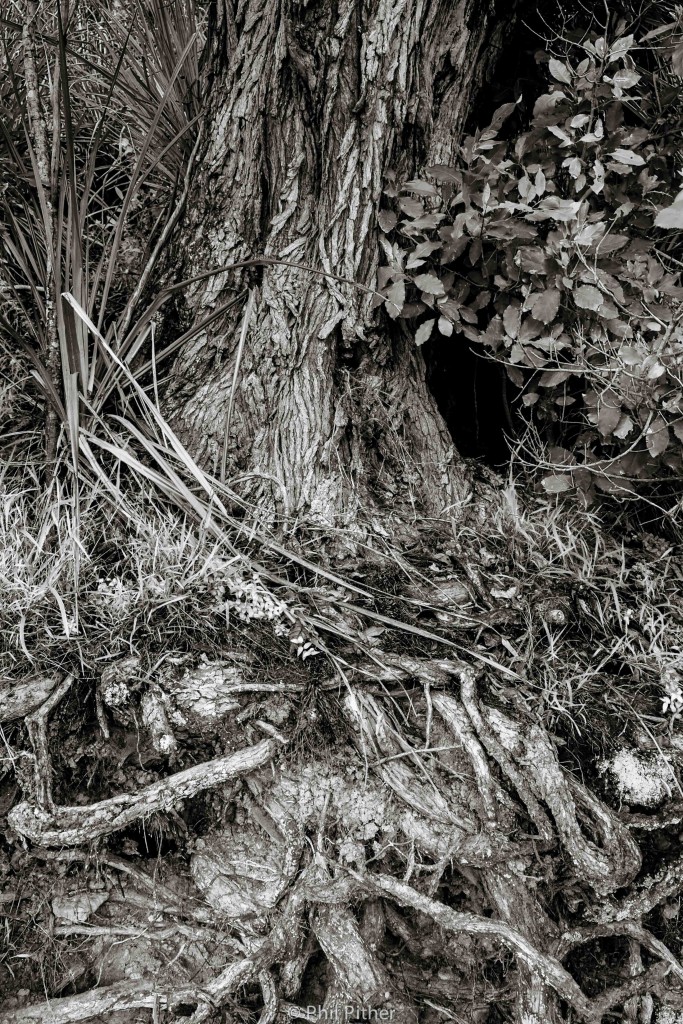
<point>593,623</point>
<point>149,579</point>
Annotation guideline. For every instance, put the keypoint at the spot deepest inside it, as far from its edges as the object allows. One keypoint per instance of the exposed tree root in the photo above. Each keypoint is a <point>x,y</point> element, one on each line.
<point>98,1001</point>
<point>463,802</point>
<point>647,894</point>
<point>20,699</point>
<point>606,865</point>
<point>73,826</point>
<point>547,968</point>
<point>670,815</point>
<point>633,929</point>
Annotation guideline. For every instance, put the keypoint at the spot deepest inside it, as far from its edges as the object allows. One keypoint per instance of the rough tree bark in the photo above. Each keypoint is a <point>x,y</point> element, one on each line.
<point>311,103</point>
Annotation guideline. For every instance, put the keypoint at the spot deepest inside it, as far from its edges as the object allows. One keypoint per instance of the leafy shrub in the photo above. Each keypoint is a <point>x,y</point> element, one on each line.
<point>547,247</point>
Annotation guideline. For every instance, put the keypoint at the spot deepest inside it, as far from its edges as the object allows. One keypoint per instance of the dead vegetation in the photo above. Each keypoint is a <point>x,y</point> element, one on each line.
<point>337,808</point>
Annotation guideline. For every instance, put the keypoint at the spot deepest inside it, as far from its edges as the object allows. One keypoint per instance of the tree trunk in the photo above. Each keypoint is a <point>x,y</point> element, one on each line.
<point>364,844</point>
<point>311,104</point>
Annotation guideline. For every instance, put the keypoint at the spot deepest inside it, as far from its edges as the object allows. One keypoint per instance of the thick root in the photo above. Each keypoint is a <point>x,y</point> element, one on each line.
<point>98,1001</point>
<point>17,700</point>
<point>73,826</point>
<point>607,865</point>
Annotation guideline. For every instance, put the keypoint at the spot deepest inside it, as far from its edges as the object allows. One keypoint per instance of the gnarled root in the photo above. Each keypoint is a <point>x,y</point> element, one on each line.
<point>607,865</point>
<point>361,979</point>
<point>71,826</point>
<point>98,1001</point>
<point>462,802</point>
<point>647,894</point>
<point>17,700</point>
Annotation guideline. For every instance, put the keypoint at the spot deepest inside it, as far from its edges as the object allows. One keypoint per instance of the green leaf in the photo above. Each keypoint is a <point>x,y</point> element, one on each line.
<point>533,260</point>
<point>387,220</point>
<point>427,220</point>
<point>620,47</point>
<point>626,79</point>
<point>423,249</point>
<point>444,173</point>
<point>430,284</point>
<point>657,437</point>
<point>560,71</point>
<point>558,483</point>
<point>445,326</point>
<point>411,207</point>
<point>423,188</point>
<point>677,61</point>
<point>424,332</point>
<point>624,427</point>
<point>546,103</point>
<point>544,306</point>
<point>588,297</point>
<point>627,156</point>
<point>509,228</point>
<point>395,299</point>
<point>560,134</point>
<point>608,311</point>
<point>611,243</point>
<point>384,275</point>
<point>501,115</point>
<point>551,378</point>
<point>609,412</point>
<point>671,217</point>
<point>629,355</point>
<point>552,208</point>
<point>450,308</point>
<point>511,319</point>
<point>411,310</point>
<point>531,329</point>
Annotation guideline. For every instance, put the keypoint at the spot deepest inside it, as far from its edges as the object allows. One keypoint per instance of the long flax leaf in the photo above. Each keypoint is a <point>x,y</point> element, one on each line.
<point>132,187</point>
<point>192,467</point>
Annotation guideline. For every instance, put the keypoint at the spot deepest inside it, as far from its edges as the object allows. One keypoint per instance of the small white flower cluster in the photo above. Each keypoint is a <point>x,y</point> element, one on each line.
<point>115,593</point>
<point>304,648</point>
<point>115,693</point>
<point>250,600</point>
<point>673,701</point>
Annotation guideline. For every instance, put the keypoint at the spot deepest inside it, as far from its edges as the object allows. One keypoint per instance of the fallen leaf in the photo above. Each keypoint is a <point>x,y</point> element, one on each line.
<point>657,437</point>
<point>77,907</point>
<point>557,484</point>
<point>671,217</point>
